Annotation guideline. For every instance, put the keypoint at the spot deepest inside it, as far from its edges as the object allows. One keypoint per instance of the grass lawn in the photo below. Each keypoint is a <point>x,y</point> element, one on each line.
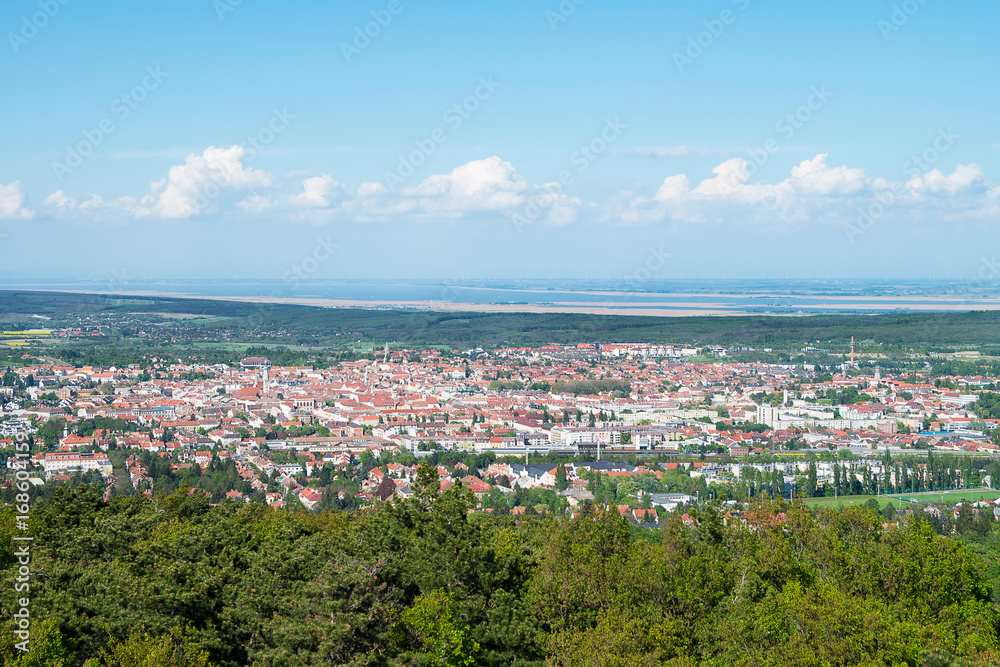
<point>847,501</point>
<point>947,498</point>
<point>955,497</point>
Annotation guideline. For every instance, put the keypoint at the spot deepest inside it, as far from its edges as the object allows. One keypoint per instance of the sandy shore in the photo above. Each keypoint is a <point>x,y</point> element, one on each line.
<point>760,295</point>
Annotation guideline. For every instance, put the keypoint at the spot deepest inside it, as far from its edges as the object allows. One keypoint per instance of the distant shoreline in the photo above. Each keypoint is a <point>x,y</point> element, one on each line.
<point>704,308</point>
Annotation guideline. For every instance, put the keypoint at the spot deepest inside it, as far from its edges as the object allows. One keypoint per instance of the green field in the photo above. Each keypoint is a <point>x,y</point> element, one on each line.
<point>847,501</point>
<point>955,497</point>
<point>901,332</point>
<point>946,497</point>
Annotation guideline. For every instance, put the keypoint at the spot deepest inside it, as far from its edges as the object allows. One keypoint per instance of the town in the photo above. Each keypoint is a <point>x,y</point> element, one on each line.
<point>645,428</point>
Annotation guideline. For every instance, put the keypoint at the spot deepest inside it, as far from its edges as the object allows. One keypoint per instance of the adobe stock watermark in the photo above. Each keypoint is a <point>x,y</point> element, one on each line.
<point>787,126</point>
<point>223,7</point>
<point>31,26</point>
<point>363,35</point>
<point>989,269</point>
<point>918,165</point>
<point>562,13</point>
<point>303,270</point>
<point>21,541</point>
<point>254,145</point>
<point>119,279</point>
<point>704,40</point>
<point>121,108</point>
<point>451,290</point>
<point>900,16</point>
<point>453,117</point>
<point>582,158</point>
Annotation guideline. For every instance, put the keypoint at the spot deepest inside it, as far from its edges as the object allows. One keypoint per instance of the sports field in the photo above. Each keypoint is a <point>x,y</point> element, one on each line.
<point>945,497</point>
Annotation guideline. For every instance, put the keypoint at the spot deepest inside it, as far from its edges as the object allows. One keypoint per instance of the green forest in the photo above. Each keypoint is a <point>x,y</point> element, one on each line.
<point>233,320</point>
<point>425,581</point>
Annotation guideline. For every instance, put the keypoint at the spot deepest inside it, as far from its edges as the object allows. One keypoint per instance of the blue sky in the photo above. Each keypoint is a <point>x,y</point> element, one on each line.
<point>694,149</point>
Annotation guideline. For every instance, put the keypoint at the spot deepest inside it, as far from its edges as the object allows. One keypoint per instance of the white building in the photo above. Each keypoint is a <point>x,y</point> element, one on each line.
<point>71,462</point>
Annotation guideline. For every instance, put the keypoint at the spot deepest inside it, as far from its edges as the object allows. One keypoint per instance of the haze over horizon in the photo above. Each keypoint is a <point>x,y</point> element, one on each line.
<point>389,139</point>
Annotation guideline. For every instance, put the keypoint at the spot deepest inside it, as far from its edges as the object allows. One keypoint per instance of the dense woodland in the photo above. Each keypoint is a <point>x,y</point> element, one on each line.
<point>173,581</point>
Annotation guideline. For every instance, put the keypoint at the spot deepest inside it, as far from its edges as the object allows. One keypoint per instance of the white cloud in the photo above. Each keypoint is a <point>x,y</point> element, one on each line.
<point>315,192</point>
<point>93,206</point>
<point>814,177</point>
<point>190,187</point>
<point>491,188</point>
<point>487,187</point>
<point>964,178</point>
<point>255,203</point>
<point>59,200</point>
<point>732,181</point>
<point>367,189</point>
<point>12,198</point>
<point>813,191</point>
<point>480,187</point>
<point>674,187</point>
<point>561,208</point>
<point>674,152</point>
<point>731,194</point>
<point>489,184</point>
<point>187,190</point>
<point>664,151</point>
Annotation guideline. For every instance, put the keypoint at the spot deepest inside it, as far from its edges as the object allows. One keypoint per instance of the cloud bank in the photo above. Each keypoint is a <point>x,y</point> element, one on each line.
<point>220,182</point>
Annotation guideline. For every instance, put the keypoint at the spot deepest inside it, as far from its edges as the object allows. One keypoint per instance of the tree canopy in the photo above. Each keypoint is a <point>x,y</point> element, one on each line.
<point>427,581</point>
